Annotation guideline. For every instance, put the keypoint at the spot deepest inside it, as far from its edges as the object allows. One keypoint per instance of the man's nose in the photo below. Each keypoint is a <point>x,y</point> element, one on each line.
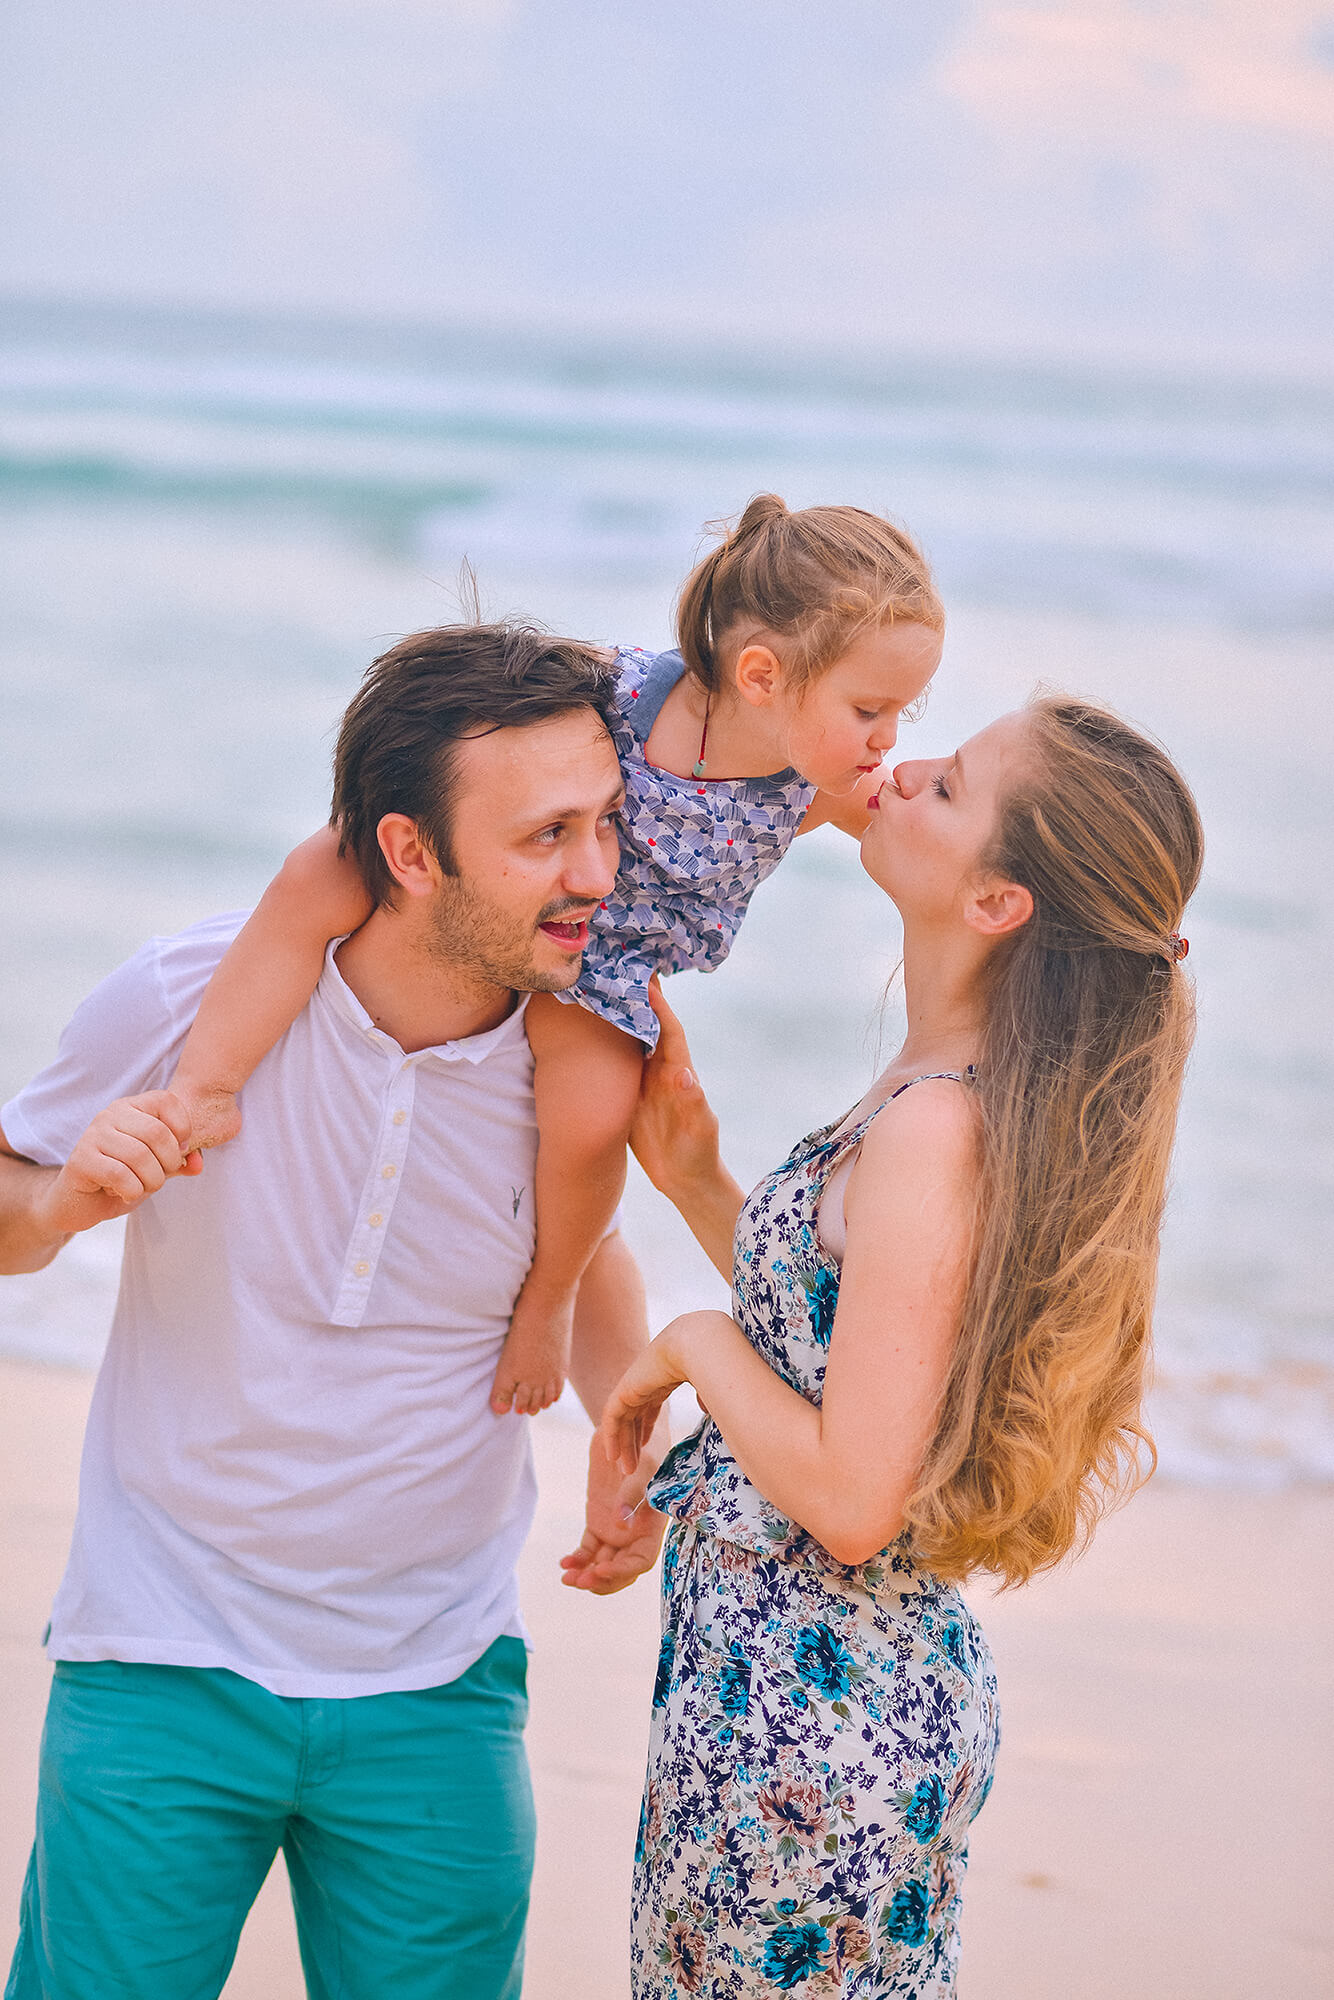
<point>591,869</point>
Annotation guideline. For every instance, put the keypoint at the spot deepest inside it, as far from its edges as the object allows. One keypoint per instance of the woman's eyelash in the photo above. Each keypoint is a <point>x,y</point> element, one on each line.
<point>938,786</point>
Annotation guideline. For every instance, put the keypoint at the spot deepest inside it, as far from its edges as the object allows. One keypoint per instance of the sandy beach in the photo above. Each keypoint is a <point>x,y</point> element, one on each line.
<point>1160,1822</point>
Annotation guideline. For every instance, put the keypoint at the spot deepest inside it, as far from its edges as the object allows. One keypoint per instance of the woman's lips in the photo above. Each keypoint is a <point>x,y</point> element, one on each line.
<point>571,936</point>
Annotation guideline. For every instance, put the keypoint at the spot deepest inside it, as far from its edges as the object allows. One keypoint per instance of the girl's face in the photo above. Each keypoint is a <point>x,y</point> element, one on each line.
<point>840,725</point>
<point>934,820</point>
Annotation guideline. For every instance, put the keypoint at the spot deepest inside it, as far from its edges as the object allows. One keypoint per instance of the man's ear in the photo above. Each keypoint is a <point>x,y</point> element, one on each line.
<point>996,908</point>
<point>411,862</point>
<point>759,674</point>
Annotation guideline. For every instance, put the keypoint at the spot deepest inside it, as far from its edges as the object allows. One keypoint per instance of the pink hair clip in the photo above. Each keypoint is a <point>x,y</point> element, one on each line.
<point>1179,945</point>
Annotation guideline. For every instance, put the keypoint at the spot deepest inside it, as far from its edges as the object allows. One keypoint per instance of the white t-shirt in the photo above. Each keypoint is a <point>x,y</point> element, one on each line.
<point>291,1468</point>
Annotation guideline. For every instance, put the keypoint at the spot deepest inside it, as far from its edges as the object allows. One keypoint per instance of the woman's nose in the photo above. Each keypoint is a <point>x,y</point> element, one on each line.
<point>910,777</point>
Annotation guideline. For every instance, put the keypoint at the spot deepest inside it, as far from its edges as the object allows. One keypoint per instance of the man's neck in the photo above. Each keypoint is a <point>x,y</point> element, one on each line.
<point>413,994</point>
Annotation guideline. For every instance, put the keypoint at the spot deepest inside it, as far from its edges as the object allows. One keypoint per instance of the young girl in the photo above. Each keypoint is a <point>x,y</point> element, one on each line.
<point>804,638</point>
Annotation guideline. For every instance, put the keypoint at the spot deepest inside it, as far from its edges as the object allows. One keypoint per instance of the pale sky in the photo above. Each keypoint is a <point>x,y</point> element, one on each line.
<point>1124,174</point>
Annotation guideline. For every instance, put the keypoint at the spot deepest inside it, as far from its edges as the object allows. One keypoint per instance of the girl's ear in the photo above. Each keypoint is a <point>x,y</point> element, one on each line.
<point>758,674</point>
<point>411,862</point>
<point>996,908</point>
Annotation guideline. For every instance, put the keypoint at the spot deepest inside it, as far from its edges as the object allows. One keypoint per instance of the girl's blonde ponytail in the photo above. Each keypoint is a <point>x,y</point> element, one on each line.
<point>814,579</point>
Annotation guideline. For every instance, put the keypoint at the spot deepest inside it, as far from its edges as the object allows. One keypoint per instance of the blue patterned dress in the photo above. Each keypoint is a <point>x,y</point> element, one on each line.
<point>822,1735</point>
<point>693,853</point>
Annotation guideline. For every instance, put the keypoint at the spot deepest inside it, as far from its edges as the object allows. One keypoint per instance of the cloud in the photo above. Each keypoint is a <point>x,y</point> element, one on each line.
<point>1125,69</point>
<point>948,171</point>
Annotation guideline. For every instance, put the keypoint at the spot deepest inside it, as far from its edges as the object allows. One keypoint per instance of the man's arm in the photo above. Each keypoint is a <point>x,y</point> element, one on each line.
<point>128,1152</point>
<point>623,1533</point>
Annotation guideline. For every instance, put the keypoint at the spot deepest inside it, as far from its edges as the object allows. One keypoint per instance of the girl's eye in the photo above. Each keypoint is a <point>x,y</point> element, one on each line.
<point>938,786</point>
<point>867,714</point>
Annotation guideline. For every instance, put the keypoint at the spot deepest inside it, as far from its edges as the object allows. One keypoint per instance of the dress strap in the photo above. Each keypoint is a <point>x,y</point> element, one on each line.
<point>644,709</point>
<point>968,1075</point>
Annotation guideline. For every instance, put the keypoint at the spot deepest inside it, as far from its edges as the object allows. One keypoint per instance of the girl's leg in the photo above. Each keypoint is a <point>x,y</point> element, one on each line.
<point>587,1083</point>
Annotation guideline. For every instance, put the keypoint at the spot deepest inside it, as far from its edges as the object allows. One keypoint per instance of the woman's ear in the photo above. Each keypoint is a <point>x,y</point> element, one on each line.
<point>996,908</point>
<point>411,862</point>
<point>758,673</point>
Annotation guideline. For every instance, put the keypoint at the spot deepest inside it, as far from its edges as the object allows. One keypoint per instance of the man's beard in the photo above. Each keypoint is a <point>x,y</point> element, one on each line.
<point>472,936</point>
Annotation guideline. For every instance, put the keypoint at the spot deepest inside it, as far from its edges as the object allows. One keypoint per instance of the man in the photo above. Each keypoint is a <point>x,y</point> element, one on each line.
<point>290,1615</point>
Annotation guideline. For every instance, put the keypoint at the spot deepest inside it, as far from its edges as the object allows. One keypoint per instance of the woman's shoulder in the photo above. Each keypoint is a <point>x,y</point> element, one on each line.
<point>926,1129</point>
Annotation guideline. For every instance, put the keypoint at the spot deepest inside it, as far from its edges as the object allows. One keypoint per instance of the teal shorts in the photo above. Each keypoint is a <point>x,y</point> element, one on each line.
<point>406,1821</point>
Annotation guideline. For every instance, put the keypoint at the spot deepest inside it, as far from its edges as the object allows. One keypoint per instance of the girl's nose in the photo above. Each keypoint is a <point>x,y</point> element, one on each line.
<point>883,737</point>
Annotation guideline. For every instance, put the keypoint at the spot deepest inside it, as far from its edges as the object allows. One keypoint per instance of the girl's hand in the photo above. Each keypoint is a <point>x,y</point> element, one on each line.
<point>674,1136</point>
<point>635,1404</point>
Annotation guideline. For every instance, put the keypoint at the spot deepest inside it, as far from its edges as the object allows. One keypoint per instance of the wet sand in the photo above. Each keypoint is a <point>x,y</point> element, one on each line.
<point>1160,1821</point>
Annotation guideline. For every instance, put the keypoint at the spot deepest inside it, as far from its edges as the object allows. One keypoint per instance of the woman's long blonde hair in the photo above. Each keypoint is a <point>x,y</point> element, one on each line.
<point>1089,1020</point>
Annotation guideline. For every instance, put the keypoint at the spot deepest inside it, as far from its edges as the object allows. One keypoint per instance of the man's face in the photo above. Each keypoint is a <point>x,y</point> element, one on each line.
<point>533,834</point>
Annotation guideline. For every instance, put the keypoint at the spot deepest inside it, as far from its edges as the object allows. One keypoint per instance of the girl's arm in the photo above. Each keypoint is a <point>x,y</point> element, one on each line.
<point>849,812</point>
<point>674,1137</point>
<point>845,1471</point>
<point>270,971</point>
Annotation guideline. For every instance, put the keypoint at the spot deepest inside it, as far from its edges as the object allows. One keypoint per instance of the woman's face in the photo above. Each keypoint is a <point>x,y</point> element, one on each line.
<point>933,821</point>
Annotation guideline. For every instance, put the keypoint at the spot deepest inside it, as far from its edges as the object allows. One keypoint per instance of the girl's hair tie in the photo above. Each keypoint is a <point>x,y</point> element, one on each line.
<point>1178,946</point>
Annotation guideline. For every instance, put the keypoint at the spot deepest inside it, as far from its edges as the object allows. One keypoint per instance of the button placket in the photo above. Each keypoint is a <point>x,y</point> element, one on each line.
<point>375,1208</point>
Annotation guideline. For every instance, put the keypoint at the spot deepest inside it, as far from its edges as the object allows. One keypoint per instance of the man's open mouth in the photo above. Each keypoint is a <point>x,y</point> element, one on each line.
<point>573,934</point>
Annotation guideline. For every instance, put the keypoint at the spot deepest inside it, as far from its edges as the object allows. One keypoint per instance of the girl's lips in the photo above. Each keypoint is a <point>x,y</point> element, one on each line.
<point>572,936</point>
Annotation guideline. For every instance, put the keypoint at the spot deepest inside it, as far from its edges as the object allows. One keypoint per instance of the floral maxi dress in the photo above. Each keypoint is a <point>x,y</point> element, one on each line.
<point>822,1735</point>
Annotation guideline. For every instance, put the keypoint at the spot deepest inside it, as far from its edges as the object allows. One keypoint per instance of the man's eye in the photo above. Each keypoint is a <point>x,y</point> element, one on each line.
<point>611,818</point>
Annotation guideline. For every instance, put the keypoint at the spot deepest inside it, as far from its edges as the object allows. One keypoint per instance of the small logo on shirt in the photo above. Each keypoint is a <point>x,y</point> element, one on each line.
<point>516,1196</point>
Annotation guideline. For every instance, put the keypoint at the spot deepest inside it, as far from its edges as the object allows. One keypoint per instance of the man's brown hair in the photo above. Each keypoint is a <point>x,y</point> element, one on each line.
<point>397,744</point>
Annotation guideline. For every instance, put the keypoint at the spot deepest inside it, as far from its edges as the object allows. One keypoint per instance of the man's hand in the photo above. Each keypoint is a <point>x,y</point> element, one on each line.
<point>128,1152</point>
<point>623,1533</point>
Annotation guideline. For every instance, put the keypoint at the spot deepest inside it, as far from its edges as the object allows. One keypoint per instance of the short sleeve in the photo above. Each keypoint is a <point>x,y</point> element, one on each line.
<point>123,1039</point>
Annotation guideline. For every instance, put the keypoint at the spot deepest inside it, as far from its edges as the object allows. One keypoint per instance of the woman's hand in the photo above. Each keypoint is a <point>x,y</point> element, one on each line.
<point>674,1136</point>
<point>635,1404</point>
<point>675,1140</point>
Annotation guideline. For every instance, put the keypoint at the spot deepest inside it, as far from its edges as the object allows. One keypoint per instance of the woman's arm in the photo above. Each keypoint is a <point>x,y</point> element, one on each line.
<point>674,1137</point>
<point>267,976</point>
<point>844,1472</point>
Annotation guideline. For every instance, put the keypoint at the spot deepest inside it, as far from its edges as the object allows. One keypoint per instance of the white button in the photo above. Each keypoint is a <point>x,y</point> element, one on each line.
<point>387,1173</point>
<point>375,1220</point>
<point>360,1270</point>
<point>400,1118</point>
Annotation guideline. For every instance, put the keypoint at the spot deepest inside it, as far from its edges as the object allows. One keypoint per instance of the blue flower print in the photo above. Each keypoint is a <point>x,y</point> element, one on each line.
<point>925,1809</point>
<point>822,1662</point>
<point>666,1660</point>
<point>821,1288</point>
<point>734,1682</point>
<point>793,1952</point>
<point>905,1919</point>
<point>952,1640</point>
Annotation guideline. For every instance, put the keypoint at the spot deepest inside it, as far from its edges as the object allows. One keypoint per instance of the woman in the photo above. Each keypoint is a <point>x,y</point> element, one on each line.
<point>935,1368</point>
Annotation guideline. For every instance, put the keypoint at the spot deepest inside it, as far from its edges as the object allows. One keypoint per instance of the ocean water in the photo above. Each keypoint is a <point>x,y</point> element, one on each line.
<point>208,527</point>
